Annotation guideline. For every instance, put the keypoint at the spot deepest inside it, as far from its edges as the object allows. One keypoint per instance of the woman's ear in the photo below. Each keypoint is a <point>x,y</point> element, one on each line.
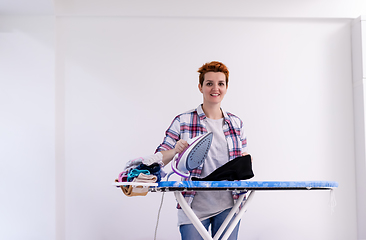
<point>200,87</point>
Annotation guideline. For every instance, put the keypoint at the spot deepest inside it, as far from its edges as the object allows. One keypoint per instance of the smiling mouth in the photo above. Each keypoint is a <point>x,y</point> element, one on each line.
<point>215,94</point>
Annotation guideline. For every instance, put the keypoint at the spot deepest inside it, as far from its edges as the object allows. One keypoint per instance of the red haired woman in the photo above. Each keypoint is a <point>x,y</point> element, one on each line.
<point>229,141</point>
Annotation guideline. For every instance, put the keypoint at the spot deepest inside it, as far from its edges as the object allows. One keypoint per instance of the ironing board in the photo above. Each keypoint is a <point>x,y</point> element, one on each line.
<point>248,187</point>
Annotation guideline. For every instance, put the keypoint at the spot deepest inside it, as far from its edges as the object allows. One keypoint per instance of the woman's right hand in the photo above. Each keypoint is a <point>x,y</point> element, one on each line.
<point>180,146</point>
<point>168,155</point>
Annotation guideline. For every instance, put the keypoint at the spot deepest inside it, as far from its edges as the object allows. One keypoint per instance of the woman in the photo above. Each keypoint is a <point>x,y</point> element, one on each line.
<point>229,142</point>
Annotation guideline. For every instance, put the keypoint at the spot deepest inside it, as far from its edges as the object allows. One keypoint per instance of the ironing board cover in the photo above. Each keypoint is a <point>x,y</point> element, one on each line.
<point>247,185</point>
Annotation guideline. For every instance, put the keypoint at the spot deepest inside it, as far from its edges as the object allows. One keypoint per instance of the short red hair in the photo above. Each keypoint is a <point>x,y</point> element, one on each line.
<point>213,66</point>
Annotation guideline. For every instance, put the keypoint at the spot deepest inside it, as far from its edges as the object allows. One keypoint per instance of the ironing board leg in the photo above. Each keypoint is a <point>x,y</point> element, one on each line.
<point>199,226</point>
<point>229,217</point>
<point>238,217</point>
<point>192,216</point>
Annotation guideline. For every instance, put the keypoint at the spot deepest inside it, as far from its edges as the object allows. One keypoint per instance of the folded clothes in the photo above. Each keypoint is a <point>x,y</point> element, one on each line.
<point>153,163</point>
<point>134,173</point>
<point>145,178</point>
<point>130,190</point>
<point>239,168</point>
<point>122,177</point>
<point>147,160</point>
<point>154,169</point>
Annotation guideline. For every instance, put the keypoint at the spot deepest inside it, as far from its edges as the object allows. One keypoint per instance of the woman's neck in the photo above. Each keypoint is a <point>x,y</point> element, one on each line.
<point>212,111</point>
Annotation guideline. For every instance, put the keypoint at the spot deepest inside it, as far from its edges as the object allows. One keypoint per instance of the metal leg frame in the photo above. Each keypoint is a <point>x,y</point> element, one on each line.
<point>199,226</point>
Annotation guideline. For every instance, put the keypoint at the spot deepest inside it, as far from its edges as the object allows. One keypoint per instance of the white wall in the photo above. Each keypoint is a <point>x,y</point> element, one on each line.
<point>291,82</point>
<point>358,59</point>
<point>27,128</point>
<point>212,8</point>
<point>113,83</point>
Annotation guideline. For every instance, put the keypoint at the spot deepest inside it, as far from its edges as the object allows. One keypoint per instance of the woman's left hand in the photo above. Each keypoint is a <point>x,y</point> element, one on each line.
<point>245,153</point>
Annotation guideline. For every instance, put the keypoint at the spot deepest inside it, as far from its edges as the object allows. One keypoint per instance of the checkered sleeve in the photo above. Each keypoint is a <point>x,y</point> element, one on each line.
<point>233,132</point>
<point>243,138</point>
<point>172,135</point>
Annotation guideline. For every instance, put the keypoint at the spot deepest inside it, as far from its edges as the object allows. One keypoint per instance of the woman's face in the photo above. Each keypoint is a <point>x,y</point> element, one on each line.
<point>213,88</point>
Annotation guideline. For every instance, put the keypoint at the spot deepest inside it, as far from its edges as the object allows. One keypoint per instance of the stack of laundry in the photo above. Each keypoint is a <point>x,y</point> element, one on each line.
<point>144,170</point>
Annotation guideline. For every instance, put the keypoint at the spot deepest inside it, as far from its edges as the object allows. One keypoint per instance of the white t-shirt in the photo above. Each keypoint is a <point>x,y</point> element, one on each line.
<point>210,203</point>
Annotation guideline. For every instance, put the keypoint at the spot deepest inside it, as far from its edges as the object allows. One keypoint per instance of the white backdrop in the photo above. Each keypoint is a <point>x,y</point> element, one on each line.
<point>101,90</point>
<point>291,83</point>
<point>27,128</point>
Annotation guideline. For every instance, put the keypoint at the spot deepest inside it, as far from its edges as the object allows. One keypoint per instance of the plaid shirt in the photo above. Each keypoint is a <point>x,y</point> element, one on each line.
<point>190,124</point>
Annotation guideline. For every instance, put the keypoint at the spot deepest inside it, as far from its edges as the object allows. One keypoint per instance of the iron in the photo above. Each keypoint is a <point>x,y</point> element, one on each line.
<point>193,156</point>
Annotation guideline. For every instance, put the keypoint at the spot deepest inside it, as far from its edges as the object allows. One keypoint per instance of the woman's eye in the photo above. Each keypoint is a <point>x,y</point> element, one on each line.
<point>209,84</point>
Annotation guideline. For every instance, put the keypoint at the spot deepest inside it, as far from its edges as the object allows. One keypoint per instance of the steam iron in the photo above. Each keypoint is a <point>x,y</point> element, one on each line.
<point>193,156</point>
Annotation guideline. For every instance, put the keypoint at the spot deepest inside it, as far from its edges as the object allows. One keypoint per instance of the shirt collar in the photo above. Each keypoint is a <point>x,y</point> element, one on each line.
<point>202,115</point>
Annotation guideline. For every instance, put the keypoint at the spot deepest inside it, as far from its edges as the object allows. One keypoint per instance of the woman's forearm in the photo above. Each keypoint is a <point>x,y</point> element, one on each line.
<point>168,155</point>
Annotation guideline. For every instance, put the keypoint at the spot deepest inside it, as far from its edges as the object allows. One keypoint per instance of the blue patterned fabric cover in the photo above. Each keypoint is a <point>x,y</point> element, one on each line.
<point>249,184</point>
